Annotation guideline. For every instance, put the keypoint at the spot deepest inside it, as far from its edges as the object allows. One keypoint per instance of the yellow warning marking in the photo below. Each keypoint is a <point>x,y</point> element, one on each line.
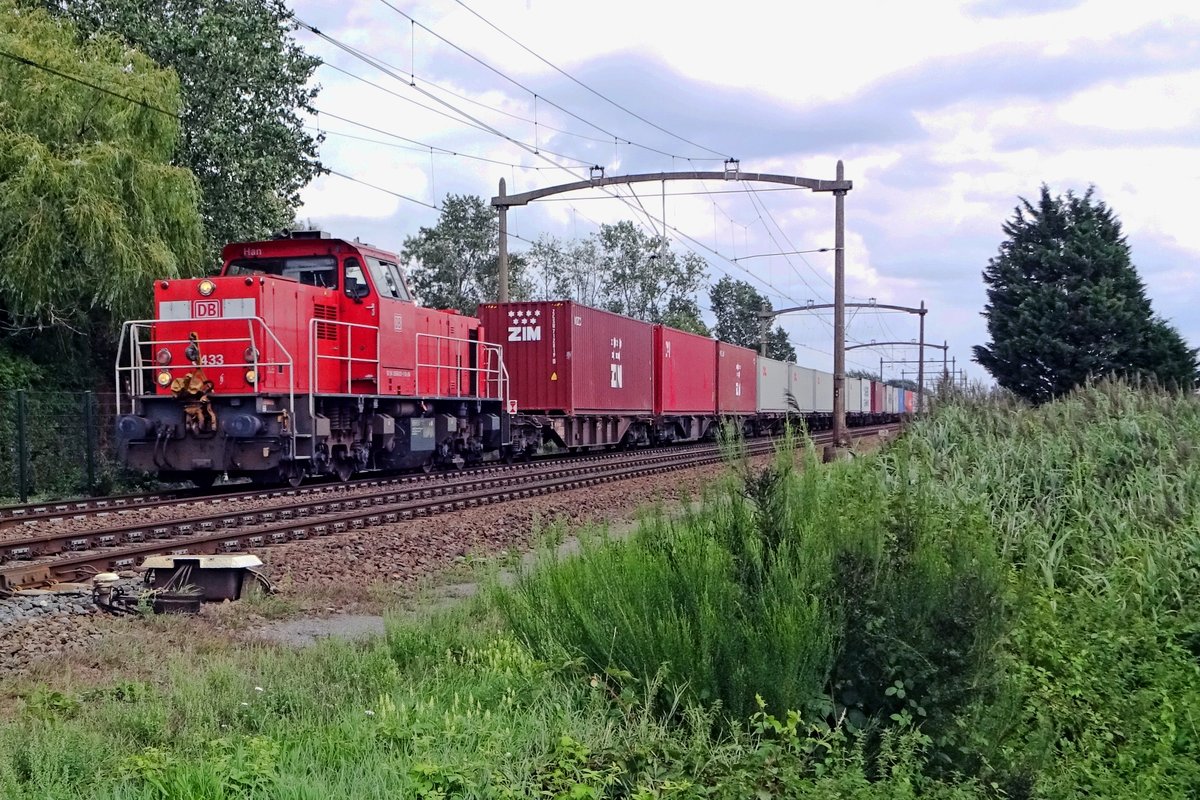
<point>553,376</point>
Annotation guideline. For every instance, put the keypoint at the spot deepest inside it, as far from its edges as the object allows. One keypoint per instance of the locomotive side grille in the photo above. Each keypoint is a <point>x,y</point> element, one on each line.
<point>324,329</point>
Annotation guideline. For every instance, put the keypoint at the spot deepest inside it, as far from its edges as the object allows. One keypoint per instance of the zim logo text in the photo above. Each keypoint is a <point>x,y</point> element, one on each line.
<point>524,333</point>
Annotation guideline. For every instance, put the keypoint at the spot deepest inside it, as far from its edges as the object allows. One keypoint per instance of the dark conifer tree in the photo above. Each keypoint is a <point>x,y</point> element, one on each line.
<point>736,305</point>
<point>1065,304</point>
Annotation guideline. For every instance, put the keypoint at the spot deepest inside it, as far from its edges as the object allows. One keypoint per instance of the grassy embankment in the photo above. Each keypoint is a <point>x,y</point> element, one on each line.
<point>1003,603</point>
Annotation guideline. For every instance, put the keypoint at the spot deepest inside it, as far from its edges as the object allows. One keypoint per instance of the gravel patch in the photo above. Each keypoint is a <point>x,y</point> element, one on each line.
<point>302,632</point>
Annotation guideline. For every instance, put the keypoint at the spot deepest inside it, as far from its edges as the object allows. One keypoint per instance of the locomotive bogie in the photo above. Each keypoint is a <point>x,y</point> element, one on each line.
<point>344,436</point>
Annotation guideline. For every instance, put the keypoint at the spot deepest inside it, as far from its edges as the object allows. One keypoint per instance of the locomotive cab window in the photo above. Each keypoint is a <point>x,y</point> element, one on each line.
<point>320,271</point>
<point>356,286</point>
<point>388,278</point>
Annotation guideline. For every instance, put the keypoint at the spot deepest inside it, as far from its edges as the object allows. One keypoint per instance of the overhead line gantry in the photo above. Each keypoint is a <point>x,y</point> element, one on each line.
<point>732,172</point>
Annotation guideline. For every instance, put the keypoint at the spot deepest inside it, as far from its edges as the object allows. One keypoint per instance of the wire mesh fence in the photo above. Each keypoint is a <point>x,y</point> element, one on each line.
<point>56,444</point>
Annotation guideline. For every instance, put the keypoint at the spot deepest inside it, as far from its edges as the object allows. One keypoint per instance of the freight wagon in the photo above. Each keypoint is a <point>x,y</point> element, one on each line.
<point>579,376</point>
<point>854,395</point>
<point>772,381</point>
<point>685,384</point>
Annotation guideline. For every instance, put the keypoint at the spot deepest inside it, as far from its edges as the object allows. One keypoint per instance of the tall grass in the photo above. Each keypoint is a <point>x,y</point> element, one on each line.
<point>449,709</point>
<point>1003,603</point>
<point>1019,582</point>
<point>1095,504</point>
<point>850,591</point>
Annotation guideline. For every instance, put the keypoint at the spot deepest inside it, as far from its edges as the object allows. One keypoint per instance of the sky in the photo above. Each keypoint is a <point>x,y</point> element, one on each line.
<point>945,114</point>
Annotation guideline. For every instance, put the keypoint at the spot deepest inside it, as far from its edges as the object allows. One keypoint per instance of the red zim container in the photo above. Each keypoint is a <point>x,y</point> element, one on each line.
<point>737,381</point>
<point>563,357</point>
<point>685,372</point>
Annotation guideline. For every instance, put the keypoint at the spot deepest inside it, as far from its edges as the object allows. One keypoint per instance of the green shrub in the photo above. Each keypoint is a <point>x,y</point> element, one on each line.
<point>850,592</point>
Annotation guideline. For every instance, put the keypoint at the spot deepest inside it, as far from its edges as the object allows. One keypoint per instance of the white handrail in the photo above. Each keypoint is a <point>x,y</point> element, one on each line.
<point>138,364</point>
<point>487,373</point>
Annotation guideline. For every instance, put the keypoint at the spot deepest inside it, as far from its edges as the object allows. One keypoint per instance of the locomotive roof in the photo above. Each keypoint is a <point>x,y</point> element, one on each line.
<point>302,245</point>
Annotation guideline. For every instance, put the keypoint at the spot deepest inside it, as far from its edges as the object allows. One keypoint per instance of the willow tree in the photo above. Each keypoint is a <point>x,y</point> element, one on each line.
<point>246,88</point>
<point>91,210</point>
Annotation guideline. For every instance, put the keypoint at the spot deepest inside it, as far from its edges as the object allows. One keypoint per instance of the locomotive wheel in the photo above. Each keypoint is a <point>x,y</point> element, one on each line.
<point>294,475</point>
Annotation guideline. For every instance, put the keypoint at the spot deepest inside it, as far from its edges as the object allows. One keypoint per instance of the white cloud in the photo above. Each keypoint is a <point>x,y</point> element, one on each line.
<point>938,153</point>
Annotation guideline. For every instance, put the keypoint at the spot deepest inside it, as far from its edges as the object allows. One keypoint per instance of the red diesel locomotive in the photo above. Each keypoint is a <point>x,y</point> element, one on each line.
<point>305,356</point>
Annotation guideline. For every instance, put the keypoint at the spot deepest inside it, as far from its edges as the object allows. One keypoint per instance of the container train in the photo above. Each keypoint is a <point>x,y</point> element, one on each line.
<point>308,355</point>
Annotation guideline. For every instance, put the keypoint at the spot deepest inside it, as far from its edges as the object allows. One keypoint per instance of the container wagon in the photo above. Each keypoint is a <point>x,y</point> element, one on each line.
<point>580,376</point>
<point>854,393</point>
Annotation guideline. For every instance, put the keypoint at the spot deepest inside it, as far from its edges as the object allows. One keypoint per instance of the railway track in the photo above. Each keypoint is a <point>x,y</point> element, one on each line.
<point>72,555</point>
<point>117,506</point>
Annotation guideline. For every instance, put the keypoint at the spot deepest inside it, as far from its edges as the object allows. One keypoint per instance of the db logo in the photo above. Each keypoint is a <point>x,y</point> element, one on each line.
<point>206,309</point>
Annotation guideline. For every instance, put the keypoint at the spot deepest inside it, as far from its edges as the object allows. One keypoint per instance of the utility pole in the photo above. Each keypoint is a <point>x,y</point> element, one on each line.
<point>921,364</point>
<point>839,313</point>
<point>502,258</point>
<point>765,327</point>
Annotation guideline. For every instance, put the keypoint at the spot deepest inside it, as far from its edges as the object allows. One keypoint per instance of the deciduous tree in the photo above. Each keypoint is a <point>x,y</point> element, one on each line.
<point>1065,304</point>
<point>621,268</point>
<point>245,82</point>
<point>454,263</point>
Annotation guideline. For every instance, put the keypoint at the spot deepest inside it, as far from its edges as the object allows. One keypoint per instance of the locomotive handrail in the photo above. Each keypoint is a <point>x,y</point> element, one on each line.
<point>350,359</point>
<point>497,375</point>
<point>139,364</point>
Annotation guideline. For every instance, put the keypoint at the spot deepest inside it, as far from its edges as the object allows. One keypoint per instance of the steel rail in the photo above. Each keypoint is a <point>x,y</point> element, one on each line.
<point>79,510</point>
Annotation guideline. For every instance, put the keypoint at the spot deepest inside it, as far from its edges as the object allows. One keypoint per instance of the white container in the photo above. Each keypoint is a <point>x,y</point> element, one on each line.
<point>854,393</point>
<point>772,386</point>
<point>802,385</point>
<point>823,392</point>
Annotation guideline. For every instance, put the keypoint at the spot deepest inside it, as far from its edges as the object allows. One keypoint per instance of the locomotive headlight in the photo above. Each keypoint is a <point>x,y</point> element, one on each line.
<point>164,378</point>
<point>251,376</point>
<point>251,355</point>
<point>163,357</point>
<point>207,287</point>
